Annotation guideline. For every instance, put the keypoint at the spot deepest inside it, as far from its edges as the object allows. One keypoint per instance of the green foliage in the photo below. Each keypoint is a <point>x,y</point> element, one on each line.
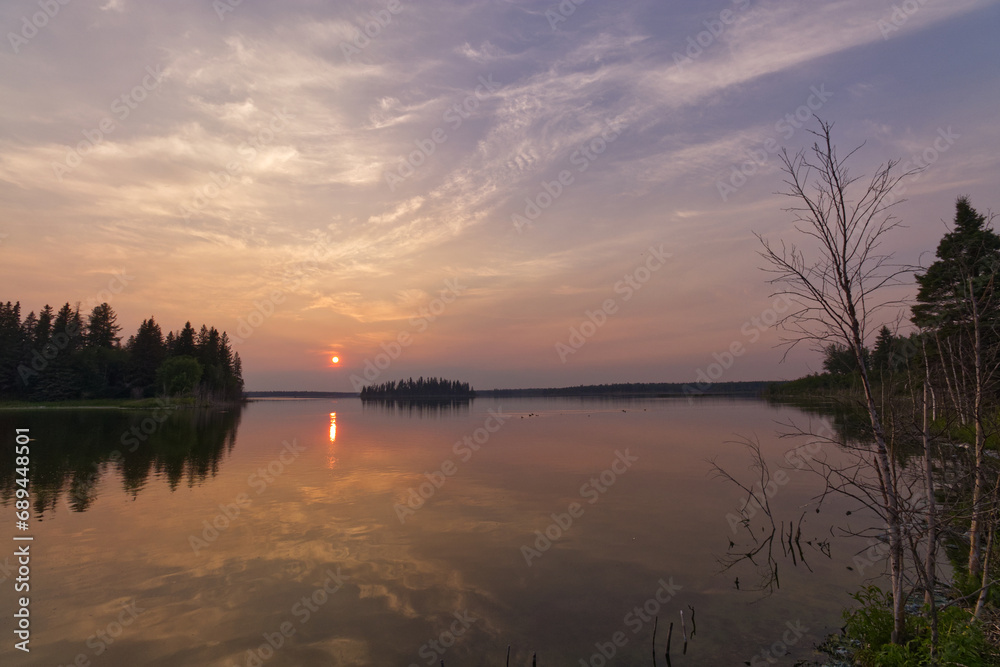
<point>147,351</point>
<point>178,375</point>
<point>871,623</point>
<point>841,360</point>
<point>966,433</point>
<point>102,328</point>
<point>957,300</point>
<point>968,256</point>
<point>960,641</point>
<point>887,365</point>
<point>956,546</point>
<point>61,356</point>
<point>184,343</point>
<point>104,370</point>
<point>11,346</point>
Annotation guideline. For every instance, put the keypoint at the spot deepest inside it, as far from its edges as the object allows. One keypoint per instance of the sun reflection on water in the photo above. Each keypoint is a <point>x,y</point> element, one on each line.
<point>331,460</point>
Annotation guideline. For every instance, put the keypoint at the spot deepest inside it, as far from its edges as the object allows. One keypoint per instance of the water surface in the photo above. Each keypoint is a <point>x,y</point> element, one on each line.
<point>222,530</point>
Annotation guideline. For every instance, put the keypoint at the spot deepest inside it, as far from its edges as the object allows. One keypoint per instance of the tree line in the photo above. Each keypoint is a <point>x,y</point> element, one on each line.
<point>619,389</point>
<point>65,355</point>
<point>889,352</point>
<point>930,399</point>
<point>432,387</point>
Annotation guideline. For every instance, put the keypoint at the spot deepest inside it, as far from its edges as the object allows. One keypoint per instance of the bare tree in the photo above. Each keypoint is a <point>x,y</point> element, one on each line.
<point>985,367</point>
<point>930,564</point>
<point>844,220</point>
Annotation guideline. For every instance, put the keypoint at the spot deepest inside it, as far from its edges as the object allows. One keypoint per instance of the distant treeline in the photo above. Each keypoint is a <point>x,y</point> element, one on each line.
<point>56,356</point>
<point>300,394</point>
<point>892,355</point>
<point>418,389</point>
<point>641,389</point>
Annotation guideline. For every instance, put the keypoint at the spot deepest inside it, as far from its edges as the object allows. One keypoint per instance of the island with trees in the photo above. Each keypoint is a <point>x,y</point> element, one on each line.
<point>429,389</point>
<point>64,355</point>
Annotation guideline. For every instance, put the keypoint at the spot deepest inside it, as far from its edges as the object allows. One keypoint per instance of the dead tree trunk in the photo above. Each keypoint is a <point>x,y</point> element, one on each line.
<point>930,572</point>
<point>975,529</point>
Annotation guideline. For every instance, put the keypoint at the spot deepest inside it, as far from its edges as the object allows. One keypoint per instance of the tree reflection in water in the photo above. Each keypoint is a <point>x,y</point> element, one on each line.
<point>72,449</point>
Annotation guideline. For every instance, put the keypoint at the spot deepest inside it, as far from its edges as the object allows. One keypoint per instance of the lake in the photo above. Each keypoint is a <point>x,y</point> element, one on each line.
<point>328,532</point>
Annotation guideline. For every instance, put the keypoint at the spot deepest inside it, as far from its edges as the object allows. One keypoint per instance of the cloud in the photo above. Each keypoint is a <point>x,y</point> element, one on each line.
<point>401,210</point>
<point>487,52</point>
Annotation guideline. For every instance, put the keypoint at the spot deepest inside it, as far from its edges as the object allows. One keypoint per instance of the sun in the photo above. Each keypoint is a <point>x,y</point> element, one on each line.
<point>335,360</point>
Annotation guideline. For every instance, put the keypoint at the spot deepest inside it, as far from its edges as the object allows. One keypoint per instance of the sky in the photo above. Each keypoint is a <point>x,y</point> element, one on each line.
<point>455,188</point>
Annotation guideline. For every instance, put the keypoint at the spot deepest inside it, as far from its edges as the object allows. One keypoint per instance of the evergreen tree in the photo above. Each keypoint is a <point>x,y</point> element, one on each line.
<point>43,330</point>
<point>102,328</point>
<point>208,355</point>
<point>185,344</point>
<point>883,353</point>
<point>63,375</point>
<point>226,353</point>
<point>28,328</point>
<point>67,329</point>
<point>55,356</point>
<point>433,388</point>
<point>102,357</point>
<point>968,258</point>
<point>237,376</point>
<point>11,347</point>
<point>147,350</point>
<point>841,360</point>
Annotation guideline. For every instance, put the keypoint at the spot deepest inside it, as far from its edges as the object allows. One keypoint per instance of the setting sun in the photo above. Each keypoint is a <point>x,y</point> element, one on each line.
<point>335,360</point>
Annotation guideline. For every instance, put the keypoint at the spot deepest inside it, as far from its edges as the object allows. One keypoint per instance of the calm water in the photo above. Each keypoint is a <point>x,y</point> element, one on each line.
<point>308,547</point>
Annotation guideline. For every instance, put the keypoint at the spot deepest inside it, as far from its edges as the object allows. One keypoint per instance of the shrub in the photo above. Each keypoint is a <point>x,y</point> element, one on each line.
<point>960,640</point>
